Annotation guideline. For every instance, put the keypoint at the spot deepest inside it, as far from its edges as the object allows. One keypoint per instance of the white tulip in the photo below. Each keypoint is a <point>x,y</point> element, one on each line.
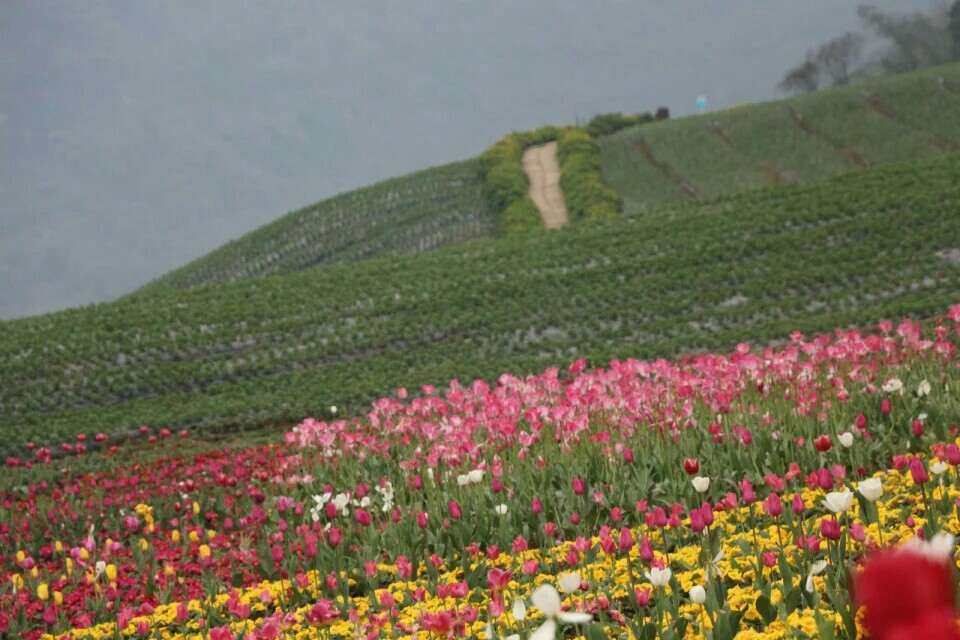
<point>333,409</point>
<point>816,569</point>
<point>871,488</point>
<point>476,475</point>
<point>923,389</point>
<point>846,439</point>
<point>519,610</point>
<point>892,385</point>
<point>501,509</point>
<point>698,595</point>
<point>701,484</point>
<point>939,467</point>
<point>547,600</point>
<point>659,577</point>
<point>940,548</point>
<point>569,582</point>
<point>838,501</point>
<point>463,480</point>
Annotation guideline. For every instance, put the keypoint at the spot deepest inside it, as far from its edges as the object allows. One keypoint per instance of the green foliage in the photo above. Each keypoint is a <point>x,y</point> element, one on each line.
<point>521,216</point>
<point>911,116</point>
<point>586,195</point>
<point>701,276</point>
<point>604,124</point>
<point>421,211</point>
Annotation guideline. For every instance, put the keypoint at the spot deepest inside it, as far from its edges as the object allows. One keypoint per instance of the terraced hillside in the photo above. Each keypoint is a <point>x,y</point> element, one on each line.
<point>810,137</point>
<point>417,212</point>
<point>848,251</point>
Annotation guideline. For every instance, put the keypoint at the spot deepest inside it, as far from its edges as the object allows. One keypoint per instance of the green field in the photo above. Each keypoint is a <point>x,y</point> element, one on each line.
<point>703,275</point>
<point>865,124</point>
<point>418,212</point>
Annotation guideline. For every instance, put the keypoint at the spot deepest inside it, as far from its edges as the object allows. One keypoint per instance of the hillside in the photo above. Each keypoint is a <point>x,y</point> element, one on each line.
<point>758,265</point>
<point>420,211</point>
<point>801,139</point>
<point>806,138</point>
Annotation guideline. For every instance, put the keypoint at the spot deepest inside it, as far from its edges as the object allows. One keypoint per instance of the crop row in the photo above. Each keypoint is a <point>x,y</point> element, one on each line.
<point>702,276</point>
<point>797,140</point>
<point>421,211</point>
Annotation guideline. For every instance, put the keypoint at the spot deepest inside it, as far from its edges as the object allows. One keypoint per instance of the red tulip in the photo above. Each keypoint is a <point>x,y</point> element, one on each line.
<point>907,595</point>
<point>823,443</point>
<point>578,487</point>
<point>886,407</point>
<point>691,466</point>
<point>455,512</point>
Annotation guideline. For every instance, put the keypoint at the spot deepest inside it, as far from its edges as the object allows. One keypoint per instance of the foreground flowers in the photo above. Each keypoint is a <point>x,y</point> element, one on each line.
<point>432,515</point>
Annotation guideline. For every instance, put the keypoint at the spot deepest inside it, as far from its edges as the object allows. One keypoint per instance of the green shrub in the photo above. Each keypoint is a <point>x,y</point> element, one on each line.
<point>584,191</point>
<point>606,123</point>
<point>522,216</point>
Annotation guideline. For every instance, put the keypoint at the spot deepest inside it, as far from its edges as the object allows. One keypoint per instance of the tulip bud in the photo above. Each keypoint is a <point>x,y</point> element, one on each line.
<point>698,595</point>
<point>823,443</point>
<point>691,466</point>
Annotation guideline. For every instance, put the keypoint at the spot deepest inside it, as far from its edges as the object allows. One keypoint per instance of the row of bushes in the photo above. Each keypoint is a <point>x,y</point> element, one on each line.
<point>506,186</point>
<point>586,195</point>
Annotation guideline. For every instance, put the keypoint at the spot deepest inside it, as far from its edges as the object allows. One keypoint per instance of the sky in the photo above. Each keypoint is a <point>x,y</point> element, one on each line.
<point>136,136</point>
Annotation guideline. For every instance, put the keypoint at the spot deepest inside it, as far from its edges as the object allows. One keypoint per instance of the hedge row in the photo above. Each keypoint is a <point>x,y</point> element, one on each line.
<point>586,195</point>
<point>506,185</point>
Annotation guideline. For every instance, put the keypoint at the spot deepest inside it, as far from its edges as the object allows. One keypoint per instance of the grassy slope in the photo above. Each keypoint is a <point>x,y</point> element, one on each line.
<point>907,116</point>
<point>700,276</point>
<point>420,211</point>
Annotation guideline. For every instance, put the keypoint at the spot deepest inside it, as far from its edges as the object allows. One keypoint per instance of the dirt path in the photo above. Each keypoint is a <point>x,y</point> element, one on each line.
<point>540,163</point>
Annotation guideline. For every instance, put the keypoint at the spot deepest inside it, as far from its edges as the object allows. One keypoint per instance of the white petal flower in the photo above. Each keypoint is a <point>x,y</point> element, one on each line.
<point>816,569</point>
<point>698,595</point>
<point>547,600</point>
<point>659,577</point>
<point>846,439</point>
<point>476,475</point>
<point>701,484</point>
<point>569,582</point>
<point>871,488</point>
<point>838,501</point>
<point>519,610</point>
<point>501,509</point>
<point>463,480</point>
<point>923,389</point>
<point>939,548</point>
<point>892,385</point>
<point>546,631</point>
<point>101,567</point>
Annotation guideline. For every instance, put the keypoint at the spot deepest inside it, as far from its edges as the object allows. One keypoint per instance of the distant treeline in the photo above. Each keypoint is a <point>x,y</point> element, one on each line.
<point>900,43</point>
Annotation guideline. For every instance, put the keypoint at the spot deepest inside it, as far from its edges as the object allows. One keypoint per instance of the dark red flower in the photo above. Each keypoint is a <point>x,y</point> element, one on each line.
<point>823,443</point>
<point>907,595</point>
<point>691,466</point>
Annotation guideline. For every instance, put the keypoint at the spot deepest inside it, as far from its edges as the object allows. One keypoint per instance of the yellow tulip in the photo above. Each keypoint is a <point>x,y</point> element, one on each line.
<point>144,545</point>
<point>58,598</point>
<point>211,534</point>
<point>58,546</point>
<point>21,556</point>
<point>204,551</point>
<point>69,564</point>
<point>175,535</point>
<point>111,572</point>
<point>196,508</point>
<point>84,554</point>
<point>17,581</point>
<point>43,591</point>
<point>194,536</point>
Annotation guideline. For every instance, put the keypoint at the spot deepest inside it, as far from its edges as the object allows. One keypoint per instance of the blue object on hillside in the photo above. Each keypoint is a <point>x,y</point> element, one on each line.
<point>701,103</point>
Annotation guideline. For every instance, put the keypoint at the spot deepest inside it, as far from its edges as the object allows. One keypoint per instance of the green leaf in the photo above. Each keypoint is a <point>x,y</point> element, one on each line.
<point>767,611</point>
<point>792,599</point>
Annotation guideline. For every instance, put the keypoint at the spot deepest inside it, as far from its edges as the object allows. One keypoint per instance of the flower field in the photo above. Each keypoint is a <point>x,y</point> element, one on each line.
<point>715,496</point>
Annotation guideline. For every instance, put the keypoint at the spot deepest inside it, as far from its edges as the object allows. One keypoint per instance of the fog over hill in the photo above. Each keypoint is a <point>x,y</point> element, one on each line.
<point>137,136</point>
